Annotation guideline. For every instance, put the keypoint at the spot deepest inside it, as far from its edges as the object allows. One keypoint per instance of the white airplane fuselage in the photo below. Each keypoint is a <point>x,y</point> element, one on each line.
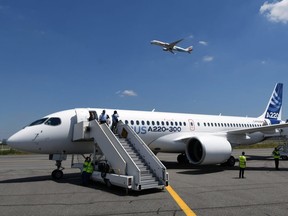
<point>161,131</point>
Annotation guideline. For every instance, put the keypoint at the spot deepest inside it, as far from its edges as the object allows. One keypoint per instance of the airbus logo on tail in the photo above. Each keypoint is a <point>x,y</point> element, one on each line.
<point>275,105</point>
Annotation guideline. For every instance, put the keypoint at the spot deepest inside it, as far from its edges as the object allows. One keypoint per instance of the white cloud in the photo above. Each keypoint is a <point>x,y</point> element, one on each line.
<point>208,58</point>
<point>128,93</point>
<point>191,36</point>
<point>204,43</point>
<point>276,11</point>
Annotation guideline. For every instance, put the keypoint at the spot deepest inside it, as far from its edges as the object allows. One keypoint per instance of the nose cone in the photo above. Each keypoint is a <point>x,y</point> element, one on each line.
<point>20,140</point>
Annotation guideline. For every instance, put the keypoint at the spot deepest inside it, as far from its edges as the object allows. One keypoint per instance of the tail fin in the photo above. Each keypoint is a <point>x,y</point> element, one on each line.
<point>189,49</point>
<point>274,108</point>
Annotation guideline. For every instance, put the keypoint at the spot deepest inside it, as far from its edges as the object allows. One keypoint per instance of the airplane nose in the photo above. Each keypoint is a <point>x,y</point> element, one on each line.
<point>19,140</point>
<point>13,140</point>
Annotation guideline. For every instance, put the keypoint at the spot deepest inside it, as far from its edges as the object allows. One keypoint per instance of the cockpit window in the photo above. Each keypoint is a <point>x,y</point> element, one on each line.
<point>38,122</point>
<point>53,121</point>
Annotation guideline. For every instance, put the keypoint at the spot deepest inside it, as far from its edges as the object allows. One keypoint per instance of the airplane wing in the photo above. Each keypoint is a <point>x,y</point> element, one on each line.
<point>263,129</point>
<point>171,45</point>
<point>183,137</point>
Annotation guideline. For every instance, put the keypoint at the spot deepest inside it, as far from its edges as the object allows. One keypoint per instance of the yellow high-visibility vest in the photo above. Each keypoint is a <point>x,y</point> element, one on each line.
<point>276,154</point>
<point>90,168</point>
<point>242,161</point>
<point>85,166</point>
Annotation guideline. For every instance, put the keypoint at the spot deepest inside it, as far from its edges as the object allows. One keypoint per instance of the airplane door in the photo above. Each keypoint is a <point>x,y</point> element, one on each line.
<point>191,124</point>
<point>82,115</point>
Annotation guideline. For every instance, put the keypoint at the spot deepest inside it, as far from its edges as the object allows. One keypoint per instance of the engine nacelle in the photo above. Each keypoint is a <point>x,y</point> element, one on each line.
<point>208,150</point>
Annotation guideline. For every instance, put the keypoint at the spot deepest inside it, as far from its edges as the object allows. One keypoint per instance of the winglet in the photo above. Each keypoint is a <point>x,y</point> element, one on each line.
<point>273,110</point>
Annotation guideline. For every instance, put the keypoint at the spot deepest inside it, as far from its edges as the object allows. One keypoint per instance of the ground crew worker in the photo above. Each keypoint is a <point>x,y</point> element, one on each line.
<point>242,165</point>
<point>87,171</point>
<point>276,156</point>
<point>115,120</point>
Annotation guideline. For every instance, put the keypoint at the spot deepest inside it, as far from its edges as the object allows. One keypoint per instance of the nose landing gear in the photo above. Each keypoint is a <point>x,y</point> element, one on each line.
<point>58,173</point>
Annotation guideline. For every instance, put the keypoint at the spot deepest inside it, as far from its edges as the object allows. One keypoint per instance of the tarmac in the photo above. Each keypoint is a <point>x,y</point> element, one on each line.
<point>26,188</point>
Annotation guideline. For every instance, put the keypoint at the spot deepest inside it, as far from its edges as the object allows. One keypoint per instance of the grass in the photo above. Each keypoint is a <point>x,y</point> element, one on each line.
<point>6,150</point>
<point>261,145</point>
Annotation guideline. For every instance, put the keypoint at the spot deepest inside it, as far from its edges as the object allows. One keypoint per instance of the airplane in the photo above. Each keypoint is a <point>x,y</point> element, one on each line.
<point>172,46</point>
<point>199,139</point>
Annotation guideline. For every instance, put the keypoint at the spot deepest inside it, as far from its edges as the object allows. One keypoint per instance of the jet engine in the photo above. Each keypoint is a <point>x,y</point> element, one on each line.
<point>208,150</point>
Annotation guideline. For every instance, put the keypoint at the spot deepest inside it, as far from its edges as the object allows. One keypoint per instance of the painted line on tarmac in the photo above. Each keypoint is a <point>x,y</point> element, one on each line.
<point>180,202</point>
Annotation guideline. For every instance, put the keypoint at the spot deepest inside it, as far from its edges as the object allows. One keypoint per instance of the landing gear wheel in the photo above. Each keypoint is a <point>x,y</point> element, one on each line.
<point>182,159</point>
<point>57,174</point>
<point>231,161</point>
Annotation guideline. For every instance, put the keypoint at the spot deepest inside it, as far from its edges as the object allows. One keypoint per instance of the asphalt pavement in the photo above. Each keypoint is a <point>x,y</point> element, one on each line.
<point>26,188</point>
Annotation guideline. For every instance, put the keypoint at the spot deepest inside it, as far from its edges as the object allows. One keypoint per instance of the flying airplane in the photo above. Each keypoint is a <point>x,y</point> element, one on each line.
<point>199,139</point>
<point>172,46</point>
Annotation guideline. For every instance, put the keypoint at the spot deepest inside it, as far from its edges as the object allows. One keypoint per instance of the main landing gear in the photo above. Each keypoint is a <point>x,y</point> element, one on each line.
<point>58,173</point>
<point>230,162</point>
<point>182,159</point>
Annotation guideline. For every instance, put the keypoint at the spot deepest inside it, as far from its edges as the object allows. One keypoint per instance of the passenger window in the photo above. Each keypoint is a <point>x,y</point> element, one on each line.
<point>38,122</point>
<point>162,123</point>
<point>176,123</point>
<point>204,124</point>
<point>180,123</point>
<point>53,121</point>
<point>126,122</point>
<point>132,122</point>
<point>148,122</point>
<point>137,122</point>
<point>143,122</point>
<point>198,123</point>
<point>184,123</point>
<point>153,123</point>
<point>167,123</point>
<point>171,123</point>
<point>158,123</point>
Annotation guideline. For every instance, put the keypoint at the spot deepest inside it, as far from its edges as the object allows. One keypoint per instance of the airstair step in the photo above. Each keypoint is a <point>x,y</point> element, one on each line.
<point>142,167</point>
<point>147,177</point>
<point>144,171</point>
<point>138,162</point>
<point>152,186</point>
<point>149,181</point>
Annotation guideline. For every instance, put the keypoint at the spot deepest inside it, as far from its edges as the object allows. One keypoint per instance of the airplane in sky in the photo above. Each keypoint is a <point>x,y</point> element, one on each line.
<point>172,46</point>
<point>199,139</point>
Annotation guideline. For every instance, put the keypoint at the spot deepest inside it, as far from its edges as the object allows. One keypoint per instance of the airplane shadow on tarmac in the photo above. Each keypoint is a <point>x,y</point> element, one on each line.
<point>208,169</point>
<point>75,179</point>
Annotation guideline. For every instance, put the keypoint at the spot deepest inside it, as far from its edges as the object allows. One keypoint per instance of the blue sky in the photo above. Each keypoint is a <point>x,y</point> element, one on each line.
<point>57,55</point>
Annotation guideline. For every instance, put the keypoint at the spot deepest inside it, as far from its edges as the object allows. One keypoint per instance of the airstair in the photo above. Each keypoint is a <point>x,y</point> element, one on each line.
<point>121,159</point>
